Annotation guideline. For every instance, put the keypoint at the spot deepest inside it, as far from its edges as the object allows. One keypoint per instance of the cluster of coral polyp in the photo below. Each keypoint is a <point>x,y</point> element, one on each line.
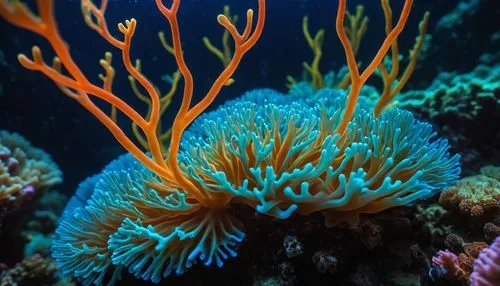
<point>24,169</point>
<point>475,195</point>
<point>277,153</point>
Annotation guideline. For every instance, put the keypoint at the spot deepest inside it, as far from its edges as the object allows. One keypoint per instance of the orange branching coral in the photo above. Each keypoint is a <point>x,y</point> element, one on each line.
<point>356,29</point>
<point>359,79</point>
<point>78,87</point>
<point>392,86</point>
<point>24,168</point>
<point>165,100</point>
<point>475,195</point>
<point>225,54</point>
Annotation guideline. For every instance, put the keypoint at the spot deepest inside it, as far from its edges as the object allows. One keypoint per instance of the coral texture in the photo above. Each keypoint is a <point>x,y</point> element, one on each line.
<point>23,168</point>
<point>431,219</point>
<point>458,104</point>
<point>276,153</point>
<point>34,270</point>
<point>475,195</point>
<point>487,266</point>
<point>455,268</point>
<point>463,96</point>
<point>448,263</point>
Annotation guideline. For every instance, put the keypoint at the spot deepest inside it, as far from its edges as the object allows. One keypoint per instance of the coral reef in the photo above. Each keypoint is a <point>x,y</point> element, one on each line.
<point>325,262</point>
<point>158,211</point>
<point>24,169</point>
<point>265,169</point>
<point>458,103</point>
<point>371,234</point>
<point>469,254</point>
<point>26,173</point>
<point>491,231</point>
<point>458,96</point>
<point>475,195</point>
<point>127,205</point>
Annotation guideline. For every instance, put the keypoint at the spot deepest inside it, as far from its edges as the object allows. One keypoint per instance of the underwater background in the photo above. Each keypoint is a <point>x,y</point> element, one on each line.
<point>394,247</point>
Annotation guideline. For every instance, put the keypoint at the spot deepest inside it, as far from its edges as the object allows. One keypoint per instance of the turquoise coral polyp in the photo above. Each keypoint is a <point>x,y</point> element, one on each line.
<point>277,153</point>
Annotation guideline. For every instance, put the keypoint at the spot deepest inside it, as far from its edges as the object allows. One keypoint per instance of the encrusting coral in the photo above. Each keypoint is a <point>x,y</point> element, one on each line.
<point>458,103</point>
<point>157,214</point>
<point>455,95</point>
<point>24,169</point>
<point>475,195</point>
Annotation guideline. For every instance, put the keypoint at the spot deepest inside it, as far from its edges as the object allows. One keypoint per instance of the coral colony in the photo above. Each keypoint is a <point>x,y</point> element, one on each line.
<point>158,212</point>
<point>24,170</point>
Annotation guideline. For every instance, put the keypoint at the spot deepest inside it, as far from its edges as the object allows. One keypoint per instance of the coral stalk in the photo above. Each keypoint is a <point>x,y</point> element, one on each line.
<point>357,79</point>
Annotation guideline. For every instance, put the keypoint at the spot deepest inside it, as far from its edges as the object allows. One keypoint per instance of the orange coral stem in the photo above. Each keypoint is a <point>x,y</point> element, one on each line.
<point>389,91</point>
<point>358,80</point>
<point>77,86</point>
<point>186,114</point>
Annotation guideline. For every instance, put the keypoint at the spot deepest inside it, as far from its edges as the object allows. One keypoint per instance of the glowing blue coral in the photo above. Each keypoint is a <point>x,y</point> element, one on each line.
<point>126,223</point>
<point>285,156</point>
<point>277,153</point>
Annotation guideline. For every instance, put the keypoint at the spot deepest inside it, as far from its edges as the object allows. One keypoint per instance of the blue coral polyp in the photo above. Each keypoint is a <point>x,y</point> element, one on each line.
<point>276,153</point>
<point>280,154</point>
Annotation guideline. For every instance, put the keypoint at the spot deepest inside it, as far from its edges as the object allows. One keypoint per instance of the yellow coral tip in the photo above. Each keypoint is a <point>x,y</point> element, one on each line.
<point>220,18</point>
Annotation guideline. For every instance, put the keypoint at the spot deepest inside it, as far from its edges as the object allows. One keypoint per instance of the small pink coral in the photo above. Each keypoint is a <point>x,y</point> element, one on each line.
<point>487,266</point>
<point>447,261</point>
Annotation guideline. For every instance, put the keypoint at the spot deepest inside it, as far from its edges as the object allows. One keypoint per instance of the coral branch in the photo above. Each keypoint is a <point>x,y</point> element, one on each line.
<point>315,44</point>
<point>391,89</point>
<point>90,10</point>
<point>225,53</point>
<point>76,85</point>
<point>357,79</point>
<point>243,43</point>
